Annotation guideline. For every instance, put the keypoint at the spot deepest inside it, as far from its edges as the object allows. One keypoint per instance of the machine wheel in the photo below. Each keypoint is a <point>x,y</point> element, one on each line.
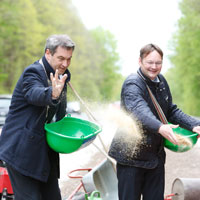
<point>6,196</point>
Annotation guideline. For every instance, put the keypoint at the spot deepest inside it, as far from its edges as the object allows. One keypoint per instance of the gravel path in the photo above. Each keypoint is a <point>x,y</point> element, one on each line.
<point>182,165</point>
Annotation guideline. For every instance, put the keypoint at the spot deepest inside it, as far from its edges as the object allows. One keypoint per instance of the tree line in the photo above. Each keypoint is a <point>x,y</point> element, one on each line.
<point>184,76</point>
<point>24,27</point>
<point>95,68</point>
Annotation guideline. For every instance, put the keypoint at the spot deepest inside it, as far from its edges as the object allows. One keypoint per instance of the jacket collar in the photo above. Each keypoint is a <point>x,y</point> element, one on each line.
<point>148,80</point>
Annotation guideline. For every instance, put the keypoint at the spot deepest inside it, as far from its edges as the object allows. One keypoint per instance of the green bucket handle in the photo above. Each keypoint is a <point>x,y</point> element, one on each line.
<point>94,196</point>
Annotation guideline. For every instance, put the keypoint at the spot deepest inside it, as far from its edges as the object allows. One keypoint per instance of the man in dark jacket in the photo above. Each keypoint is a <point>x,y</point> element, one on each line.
<point>143,174</point>
<point>40,94</point>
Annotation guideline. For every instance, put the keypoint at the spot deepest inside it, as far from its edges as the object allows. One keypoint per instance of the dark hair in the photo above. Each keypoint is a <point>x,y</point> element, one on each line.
<point>55,41</point>
<point>148,49</point>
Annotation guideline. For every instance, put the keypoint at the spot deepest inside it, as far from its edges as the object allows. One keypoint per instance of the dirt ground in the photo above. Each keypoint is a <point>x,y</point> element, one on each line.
<point>178,165</point>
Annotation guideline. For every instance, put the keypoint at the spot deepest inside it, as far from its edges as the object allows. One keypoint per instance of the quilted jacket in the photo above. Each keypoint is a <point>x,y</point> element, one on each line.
<point>136,100</point>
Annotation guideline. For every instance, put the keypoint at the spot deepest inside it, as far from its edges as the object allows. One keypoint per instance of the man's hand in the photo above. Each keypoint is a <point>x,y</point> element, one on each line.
<point>166,131</point>
<point>57,84</point>
<point>196,129</point>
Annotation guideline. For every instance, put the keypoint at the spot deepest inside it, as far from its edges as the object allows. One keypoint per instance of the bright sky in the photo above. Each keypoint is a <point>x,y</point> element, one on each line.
<point>134,23</point>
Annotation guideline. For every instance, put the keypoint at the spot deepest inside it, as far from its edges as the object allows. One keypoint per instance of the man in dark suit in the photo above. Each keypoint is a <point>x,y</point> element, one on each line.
<point>39,96</point>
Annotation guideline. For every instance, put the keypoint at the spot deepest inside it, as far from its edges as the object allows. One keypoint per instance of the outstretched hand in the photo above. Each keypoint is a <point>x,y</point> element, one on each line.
<point>57,84</point>
<point>166,131</point>
<point>196,129</point>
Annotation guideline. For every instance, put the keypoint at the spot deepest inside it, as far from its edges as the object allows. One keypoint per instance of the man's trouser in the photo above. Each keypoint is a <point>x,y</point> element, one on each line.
<point>27,188</point>
<point>134,182</point>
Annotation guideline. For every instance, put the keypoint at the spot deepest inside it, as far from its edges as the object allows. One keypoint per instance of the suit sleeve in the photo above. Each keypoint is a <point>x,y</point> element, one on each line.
<point>35,87</point>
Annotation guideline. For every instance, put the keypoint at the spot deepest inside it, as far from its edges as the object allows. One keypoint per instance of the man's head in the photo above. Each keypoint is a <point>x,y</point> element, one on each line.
<point>150,61</point>
<point>58,52</point>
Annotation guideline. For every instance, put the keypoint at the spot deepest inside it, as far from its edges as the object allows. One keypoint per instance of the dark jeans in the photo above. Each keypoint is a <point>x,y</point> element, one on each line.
<point>134,182</point>
<point>27,188</point>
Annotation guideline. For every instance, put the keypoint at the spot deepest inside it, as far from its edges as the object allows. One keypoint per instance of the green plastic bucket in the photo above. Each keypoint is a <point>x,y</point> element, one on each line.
<point>188,135</point>
<point>71,134</point>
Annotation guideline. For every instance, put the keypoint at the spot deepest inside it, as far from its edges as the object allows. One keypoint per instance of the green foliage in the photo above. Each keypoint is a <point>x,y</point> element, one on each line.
<point>110,76</point>
<point>25,25</point>
<point>186,60</point>
<point>19,37</point>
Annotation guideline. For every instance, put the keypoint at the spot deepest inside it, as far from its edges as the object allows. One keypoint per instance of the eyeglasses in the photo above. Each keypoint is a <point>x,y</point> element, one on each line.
<point>151,63</point>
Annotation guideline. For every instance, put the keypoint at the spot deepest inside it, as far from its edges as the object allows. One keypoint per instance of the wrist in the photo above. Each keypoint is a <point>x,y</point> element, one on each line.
<point>160,128</point>
<point>54,97</point>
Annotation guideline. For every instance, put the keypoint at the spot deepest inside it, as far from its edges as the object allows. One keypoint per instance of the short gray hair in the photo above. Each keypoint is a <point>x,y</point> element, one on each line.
<point>55,41</point>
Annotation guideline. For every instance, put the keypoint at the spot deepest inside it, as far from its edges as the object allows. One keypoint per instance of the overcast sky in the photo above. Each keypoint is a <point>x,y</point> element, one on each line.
<point>134,23</point>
